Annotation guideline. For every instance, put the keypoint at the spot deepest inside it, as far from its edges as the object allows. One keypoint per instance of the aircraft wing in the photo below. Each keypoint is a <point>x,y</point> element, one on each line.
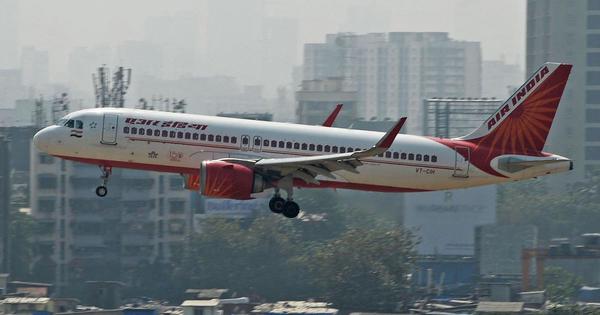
<point>309,167</point>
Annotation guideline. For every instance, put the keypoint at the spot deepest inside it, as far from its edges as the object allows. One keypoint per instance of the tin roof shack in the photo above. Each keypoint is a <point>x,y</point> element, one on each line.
<point>202,307</point>
<point>27,306</point>
<point>30,289</point>
<point>294,308</point>
<point>500,308</point>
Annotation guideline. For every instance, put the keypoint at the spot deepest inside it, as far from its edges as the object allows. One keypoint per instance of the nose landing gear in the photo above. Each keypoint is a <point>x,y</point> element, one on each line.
<point>101,190</point>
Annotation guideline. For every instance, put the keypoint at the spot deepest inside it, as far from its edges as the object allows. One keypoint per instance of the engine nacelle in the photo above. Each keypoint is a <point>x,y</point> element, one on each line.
<point>220,179</point>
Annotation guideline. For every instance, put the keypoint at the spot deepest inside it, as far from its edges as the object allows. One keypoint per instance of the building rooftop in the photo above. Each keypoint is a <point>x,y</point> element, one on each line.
<point>25,300</point>
<point>201,303</point>
<point>295,307</point>
<point>499,307</point>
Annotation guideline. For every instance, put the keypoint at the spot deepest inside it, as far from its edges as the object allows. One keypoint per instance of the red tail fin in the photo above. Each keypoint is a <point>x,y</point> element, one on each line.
<point>522,123</point>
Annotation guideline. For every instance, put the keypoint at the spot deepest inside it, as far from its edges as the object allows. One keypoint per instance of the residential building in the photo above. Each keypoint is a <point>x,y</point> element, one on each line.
<point>317,99</point>
<point>394,72</point>
<point>9,39</point>
<point>569,31</point>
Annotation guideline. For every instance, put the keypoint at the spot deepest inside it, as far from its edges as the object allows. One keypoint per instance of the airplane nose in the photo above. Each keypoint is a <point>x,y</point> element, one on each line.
<point>41,140</point>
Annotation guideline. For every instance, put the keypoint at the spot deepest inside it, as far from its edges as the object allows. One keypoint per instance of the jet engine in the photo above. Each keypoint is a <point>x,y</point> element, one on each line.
<point>220,179</point>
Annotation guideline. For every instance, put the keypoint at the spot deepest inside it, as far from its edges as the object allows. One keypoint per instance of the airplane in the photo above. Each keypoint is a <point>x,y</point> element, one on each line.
<point>236,158</point>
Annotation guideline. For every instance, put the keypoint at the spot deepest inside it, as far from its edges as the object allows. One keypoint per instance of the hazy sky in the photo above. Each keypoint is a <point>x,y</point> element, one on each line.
<point>60,25</point>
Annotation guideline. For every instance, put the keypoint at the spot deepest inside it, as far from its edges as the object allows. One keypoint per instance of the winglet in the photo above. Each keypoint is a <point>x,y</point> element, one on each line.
<point>384,143</point>
<point>331,118</point>
<point>387,140</point>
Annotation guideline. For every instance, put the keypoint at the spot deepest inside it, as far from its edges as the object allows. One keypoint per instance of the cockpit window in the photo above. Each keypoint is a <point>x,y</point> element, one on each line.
<point>61,122</point>
<point>79,124</point>
<point>70,123</point>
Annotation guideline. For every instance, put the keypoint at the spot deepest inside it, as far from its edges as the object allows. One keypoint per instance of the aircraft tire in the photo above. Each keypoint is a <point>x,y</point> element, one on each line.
<point>101,191</point>
<point>291,209</point>
<point>276,204</point>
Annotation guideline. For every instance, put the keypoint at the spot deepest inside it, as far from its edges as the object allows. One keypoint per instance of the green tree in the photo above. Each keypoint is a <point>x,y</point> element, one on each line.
<point>561,285</point>
<point>365,269</point>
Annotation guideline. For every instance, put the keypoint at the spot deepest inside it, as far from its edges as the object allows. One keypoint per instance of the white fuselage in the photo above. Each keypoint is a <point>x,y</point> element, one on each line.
<point>180,142</point>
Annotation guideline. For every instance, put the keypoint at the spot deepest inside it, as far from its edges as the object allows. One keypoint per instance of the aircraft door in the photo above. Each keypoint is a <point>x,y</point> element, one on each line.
<point>462,162</point>
<point>257,144</point>
<point>245,143</point>
<point>109,129</point>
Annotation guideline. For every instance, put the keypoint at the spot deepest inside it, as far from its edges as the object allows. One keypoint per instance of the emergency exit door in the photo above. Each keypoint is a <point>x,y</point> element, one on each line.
<point>462,162</point>
<point>109,129</point>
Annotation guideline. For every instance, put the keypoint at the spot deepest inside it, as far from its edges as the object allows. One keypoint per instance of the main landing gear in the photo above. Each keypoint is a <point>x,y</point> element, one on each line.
<point>288,207</point>
<point>101,190</point>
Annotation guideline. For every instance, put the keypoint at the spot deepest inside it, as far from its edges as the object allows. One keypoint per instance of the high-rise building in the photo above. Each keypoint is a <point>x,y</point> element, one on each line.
<point>34,68</point>
<point>569,31</point>
<point>145,219</point>
<point>11,88</point>
<point>8,34</point>
<point>394,72</point>
<point>317,98</point>
<point>500,79</point>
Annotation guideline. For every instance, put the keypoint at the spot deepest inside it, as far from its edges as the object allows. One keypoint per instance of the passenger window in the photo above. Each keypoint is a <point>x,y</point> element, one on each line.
<point>212,138</point>
<point>157,133</point>
<point>188,135</point>
<point>327,148</point>
<point>133,130</point>
<point>265,143</point>
<point>281,144</point>
<point>411,156</point>
<point>226,139</point>
<point>79,124</point>
<point>218,138</point>
<point>165,133</point>
<point>142,131</point>
<point>274,143</point>
<point>203,137</point>
<point>396,155</point>
<point>388,154</point>
<point>245,139</point>
<point>126,130</point>
<point>172,134</point>
<point>342,149</point>
<point>426,158</point>
<point>418,157</point>
<point>304,146</point>
<point>349,149</point>
<point>180,134</point>
<point>148,132</point>
<point>233,139</point>
<point>296,146</point>
<point>380,155</point>
<point>433,158</point>
<point>357,149</point>
<point>334,149</point>
<point>257,141</point>
<point>311,147</point>
<point>403,156</point>
<point>195,136</point>
<point>288,145</point>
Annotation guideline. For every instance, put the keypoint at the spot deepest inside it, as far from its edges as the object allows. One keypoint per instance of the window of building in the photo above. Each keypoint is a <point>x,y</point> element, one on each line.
<point>593,59</point>
<point>175,183</point>
<point>157,133</point>
<point>194,136</point>
<point>592,134</point>
<point>165,133</point>
<point>311,147</point>
<point>202,137</point>
<point>592,97</point>
<point>172,134</point>
<point>180,134</point>
<point>593,5</point>
<point>176,206</point>
<point>226,139</point>
<point>46,159</point>
<point>233,139</point>
<point>188,135</point>
<point>47,181</point>
<point>411,156</point>
<point>212,138</point>
<point>125,129</point>
<point>592,153</point>
<point>133,130</point>
<point>46,205</point>
<point>434,158</point>
<point>593,41</point>
<point>593,22</point>
<point>396,155</point>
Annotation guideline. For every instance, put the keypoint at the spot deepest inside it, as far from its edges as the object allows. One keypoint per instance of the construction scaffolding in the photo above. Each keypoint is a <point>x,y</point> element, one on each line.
<point>107,95</point>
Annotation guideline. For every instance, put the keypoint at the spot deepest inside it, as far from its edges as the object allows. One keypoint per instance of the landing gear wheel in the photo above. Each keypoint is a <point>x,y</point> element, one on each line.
<point>291,209</point>
<point>101,191</point>
<point>276,204</point>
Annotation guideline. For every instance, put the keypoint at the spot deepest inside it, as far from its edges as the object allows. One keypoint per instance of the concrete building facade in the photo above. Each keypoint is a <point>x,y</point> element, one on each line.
<point>569,31</point>
<point>317,98</point>
<point>394,72</point>
<point>145,219</point>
